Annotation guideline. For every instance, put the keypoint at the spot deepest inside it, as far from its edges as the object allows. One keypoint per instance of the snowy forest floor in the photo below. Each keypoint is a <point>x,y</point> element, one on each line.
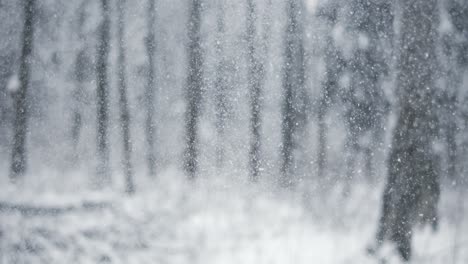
<point>213,220</point>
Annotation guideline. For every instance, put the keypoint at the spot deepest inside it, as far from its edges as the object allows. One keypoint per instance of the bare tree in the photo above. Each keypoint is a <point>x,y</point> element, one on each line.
<point>82,73</point>
<point>455,48</point>
<point>255,79</point>
<point>334,64</point>
<point>334,67</point>
<point>20,126</point>
<point>194,86</point>
<point>221,84</point>
<point>412,190</point>
<point>123,101</point>
<point>103,172</point>
<point>293,85</point>
<point>151,88</point>
<point>372,24</point>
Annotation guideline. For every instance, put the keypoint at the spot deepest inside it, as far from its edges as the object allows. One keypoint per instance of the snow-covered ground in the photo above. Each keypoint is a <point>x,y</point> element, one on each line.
<point>170,220</point>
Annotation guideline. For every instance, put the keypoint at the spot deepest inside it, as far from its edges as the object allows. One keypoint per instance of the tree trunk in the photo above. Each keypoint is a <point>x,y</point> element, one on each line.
<point>20,126</point>
<point>452,151</point>
<point>82,72</point>
<point>77,118</point>
<point>458,59</point>
<point>324,103</point>
<point>151,89</point>
<point>412,191</point>
<point>322,138</point>
<point>123,102</point>
<point>221,86</point>
<point>334,64</point>
<point>293,82</point>
<point>371,23</point>
<point>194,86</point>
<point>255,79</point>
<point>103,170</point>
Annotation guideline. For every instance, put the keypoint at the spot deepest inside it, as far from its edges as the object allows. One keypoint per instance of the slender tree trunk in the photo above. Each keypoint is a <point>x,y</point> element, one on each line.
<point>288,120</point>
<point>6,117</point>
<point>151,89</point>
<point>369,162</point>
<point>334,64</point>
<point>452,151</point>
<point>123,102</point>
<point>103,170</point>
<point>20,126</point>
<point>77,119</point>
<point>194,86</point>
<point>81,72</point>
<point>221,86</point>
<point>293,82</point>
<point>330,81</point>
<point>256,68</point>
<point>322,139</point>
<point>352,147</point>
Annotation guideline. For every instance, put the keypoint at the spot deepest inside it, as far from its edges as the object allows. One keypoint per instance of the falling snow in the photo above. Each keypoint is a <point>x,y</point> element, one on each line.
<point>217,131</point>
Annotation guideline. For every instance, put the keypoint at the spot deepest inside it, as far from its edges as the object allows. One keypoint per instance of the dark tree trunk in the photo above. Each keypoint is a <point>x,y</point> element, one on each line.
<point>77,118</point>
<point>255,81</point>
<point>20,126</point>
<point>123,102</point>
<point>151,89</point>
<point>82,73</point>
<point>457,47</point>
<point>352,147</point>
<point>194,86</point>
<point>334,64</point>
<point>412,191</point>
<point>6,110</point>
<point>103,171</point>
<point>322,138</point>
<point>221,85</point>
<point>452,151</point>
<point>287,114</point>
<point>324,103</point>
<point>293,82</point>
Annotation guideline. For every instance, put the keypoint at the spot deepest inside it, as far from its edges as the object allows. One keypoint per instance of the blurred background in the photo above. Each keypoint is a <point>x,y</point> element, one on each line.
<point>215,131</point>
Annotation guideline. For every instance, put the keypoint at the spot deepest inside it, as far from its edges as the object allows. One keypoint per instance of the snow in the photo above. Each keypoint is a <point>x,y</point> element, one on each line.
<point>171,220</point>
<point>52,215</point>
<point>13,83</point>
<point>311,5</point>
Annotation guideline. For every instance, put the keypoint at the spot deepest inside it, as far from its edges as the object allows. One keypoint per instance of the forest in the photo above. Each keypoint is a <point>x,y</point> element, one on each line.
<point>247,131</point>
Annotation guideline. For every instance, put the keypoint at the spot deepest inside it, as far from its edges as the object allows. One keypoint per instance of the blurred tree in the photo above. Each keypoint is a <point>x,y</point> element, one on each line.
<point>82,73</point>
<point>256,74</point>
<point>20,125</point>
<point>151,88</point>
<point>412,190</point>
<point>455,49</point>
<point>194,88</point>
<point>7,79</point>
<point>334,66</point>
<point>10,15</point>
<point>293,86</point>
<point>77,119</point>
<point>123,101</point>
<point>103,170</point>
<point>221,83</point>
<point>371,22</point>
